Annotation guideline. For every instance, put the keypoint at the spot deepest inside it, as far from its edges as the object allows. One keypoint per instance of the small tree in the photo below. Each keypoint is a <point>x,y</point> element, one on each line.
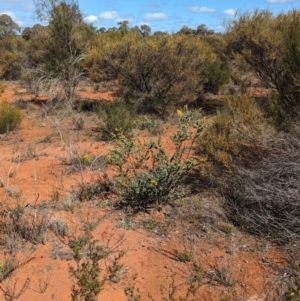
<point>62,54</point>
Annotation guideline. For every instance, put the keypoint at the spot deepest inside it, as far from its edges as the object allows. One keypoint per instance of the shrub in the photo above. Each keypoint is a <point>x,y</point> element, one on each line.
<point>216,74</point>
<point>86,275</point>
<point>151,125</point>
<point>10,117</point>
<point>147,174</point>
<point>239,124</point>
<point>117,120</point>
<point>264,198</point>
<point>2,87</point>
<point>270,44</point>
<point>10,67</point>
<point>155,72</point>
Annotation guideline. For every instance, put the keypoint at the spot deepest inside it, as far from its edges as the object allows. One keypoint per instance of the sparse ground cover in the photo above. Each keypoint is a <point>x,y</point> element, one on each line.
<point>56,199</point>
<point>139,166</point>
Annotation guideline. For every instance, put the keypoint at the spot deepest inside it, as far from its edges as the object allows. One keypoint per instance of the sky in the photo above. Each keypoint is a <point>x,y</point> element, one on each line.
<point>160,15</point>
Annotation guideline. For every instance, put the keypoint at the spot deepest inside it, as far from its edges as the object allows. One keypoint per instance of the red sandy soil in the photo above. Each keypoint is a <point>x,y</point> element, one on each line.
<point>33,166</point>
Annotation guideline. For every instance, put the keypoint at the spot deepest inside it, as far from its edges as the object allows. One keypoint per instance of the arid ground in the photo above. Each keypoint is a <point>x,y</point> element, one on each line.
<point>173,248</point>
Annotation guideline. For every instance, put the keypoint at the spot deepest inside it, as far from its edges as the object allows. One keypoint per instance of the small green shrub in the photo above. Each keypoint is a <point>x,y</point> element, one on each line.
<point>117,120</point>
<point>87,285</point>
<point>216,74</point>
<point>151,125</point>
<point>10,117</point>
<point>147,174</point>
<point>6,268</point>
<point>87,254</point>
<point>185,256</point>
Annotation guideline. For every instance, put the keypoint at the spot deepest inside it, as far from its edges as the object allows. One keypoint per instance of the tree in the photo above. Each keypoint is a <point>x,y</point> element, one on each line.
<point>186,30</point>
<point>9,48</point>
<point>202,30</point>
<point>156,71</point>
<point>7,26</point>
<point>145,30</point>
<point>62,55</point>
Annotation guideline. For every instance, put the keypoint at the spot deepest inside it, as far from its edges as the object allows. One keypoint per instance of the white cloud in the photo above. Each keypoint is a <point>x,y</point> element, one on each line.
<point>201,9</point>
<point>155,16</point>
<point>109,15</point>
<point>144,23</point>
<point>230,12</point>
<point>280,1</point>
<point>13,16</point>
<point>91,19</point>
<point>9,13</point>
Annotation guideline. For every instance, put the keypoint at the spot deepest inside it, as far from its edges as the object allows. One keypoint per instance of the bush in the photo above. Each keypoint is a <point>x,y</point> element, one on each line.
<point>240,123</point>
<point>155,72</point>
<point>216,74</point>
<point>270,44</point>
<point>147,174</point>
<point>10,67</point>
<point>151,125</point>
<point>264,198</point>
<point>117,120</point>
<point>10,117</point>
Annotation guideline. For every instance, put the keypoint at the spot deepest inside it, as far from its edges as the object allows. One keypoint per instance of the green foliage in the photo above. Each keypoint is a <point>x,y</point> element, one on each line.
<point>270,44</point>
<point>2,87</point>
<point>7,26</point>
<point>87,285</point>
<point>9,65</point>
<point>10,117</point>
<point>64,47</point>
<point>184,256</point>
<point>117,120</point>
<point>151,125</point>
<point>240,123</point>
<point>147,174</point>
<point>87,254</point>
<point>6,268</point>
<point>216,74</point>
<point>153,72</point>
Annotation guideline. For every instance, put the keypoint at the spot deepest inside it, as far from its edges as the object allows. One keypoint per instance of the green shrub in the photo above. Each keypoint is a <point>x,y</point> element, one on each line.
<point>151,125</point>
<point>147,174</point>
<point>155,72</point>
<point>117,120</point>
<point>88,281</point>
<point>216,74</point>
<point>270,45</point>
<point>10,117</point>
<point>239,124</point>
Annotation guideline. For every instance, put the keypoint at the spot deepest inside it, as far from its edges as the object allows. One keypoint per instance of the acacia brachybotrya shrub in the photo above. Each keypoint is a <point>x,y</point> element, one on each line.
<point>10,117</point>
<point>147,174</point>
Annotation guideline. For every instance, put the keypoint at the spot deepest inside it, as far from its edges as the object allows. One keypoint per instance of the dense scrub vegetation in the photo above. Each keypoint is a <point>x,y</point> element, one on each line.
<point>240,146</point>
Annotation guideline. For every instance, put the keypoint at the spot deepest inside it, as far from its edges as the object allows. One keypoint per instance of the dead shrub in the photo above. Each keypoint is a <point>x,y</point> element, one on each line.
<point>264,199</point>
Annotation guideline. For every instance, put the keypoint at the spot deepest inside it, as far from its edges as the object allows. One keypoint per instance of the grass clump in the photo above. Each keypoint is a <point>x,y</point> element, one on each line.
<point>10,117</point>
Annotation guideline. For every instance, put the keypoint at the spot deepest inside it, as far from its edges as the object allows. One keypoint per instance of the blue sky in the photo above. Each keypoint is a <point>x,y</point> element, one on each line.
<point>164,15</point>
